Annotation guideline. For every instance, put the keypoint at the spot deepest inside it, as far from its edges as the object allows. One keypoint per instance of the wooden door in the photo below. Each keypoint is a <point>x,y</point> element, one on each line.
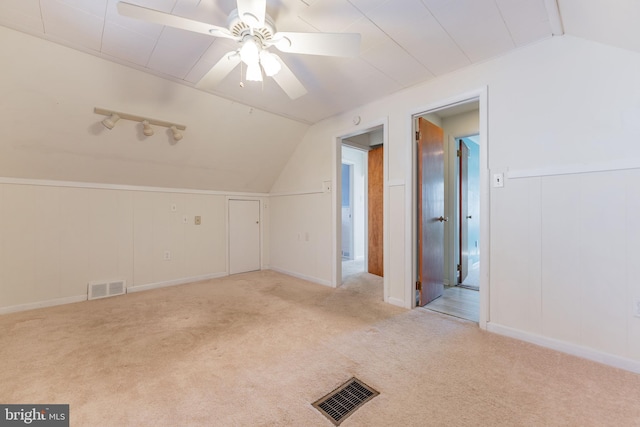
<point>375,196</point>
<point>431,218</point>
<point>463,204</point>
<point>244,236</point>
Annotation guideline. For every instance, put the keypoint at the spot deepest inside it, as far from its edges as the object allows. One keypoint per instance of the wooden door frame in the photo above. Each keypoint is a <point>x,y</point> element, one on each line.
<point>357,129</point>
<point>411,241</point>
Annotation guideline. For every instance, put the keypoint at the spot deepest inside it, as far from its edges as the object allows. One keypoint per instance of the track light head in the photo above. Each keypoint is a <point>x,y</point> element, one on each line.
<point>147,130</point>
<point>176,133</point>
<point>110,121</point>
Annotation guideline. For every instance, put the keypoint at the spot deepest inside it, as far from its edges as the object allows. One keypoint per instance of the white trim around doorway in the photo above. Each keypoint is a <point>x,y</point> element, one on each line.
<point>336,199</point>
<point>479,95</point>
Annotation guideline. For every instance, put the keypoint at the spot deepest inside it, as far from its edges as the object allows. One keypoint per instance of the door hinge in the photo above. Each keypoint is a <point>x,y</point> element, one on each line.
<point>417,135</point>
<point>459,267</point>
<point>459,153</point>
<point>418,285</point>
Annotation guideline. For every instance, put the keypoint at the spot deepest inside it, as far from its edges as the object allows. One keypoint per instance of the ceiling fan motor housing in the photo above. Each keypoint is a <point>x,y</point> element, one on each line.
<point>240,29</point>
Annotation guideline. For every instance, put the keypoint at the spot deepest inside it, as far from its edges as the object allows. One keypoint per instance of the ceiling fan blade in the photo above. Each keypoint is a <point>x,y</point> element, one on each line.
<point>252,12</point>
<point>328,44</point>
<point>288,81</point>
<point>155,16</point>
<point>219,71</point>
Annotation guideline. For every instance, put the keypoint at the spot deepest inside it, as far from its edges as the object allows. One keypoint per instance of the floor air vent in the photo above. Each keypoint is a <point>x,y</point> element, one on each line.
<point>345,400</point>
<point>106,289</point>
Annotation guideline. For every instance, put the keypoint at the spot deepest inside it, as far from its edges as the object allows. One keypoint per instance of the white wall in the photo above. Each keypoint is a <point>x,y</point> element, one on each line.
<point>563,249</point>
<point>81,203</point>
<point>56,239</point>
<point>48,94</point>
<point>300,223</point>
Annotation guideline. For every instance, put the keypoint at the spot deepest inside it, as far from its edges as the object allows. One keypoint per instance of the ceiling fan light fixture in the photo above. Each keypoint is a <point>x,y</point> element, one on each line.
<point>269,63</point>
<point>250,51</point>
<point>254,73</point>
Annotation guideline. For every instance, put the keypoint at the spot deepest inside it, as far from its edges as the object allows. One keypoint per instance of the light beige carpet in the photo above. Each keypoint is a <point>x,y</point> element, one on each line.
<point>257,349</point>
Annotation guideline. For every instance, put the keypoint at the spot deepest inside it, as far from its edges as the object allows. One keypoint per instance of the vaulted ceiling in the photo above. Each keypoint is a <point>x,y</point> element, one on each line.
<point>404,42</point>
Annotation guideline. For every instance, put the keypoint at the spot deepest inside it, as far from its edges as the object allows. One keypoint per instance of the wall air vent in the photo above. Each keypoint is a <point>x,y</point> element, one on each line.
<point>106,289</point>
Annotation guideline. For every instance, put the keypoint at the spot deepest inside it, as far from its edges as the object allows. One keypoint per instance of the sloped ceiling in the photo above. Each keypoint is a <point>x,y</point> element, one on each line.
<point>49,91</point>
<point>404,42</point>
<point>610,22</point>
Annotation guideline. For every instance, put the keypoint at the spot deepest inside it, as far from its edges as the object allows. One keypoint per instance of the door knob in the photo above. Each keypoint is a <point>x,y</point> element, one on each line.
<point>469,217</point>
<point>443,219</point>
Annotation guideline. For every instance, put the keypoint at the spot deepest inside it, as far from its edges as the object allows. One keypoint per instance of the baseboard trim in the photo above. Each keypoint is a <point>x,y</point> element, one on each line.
<point>302,276</point>
<point>175,282</point>
<point>396,302</point>
<point>43,304</point>
<point>569,348</point>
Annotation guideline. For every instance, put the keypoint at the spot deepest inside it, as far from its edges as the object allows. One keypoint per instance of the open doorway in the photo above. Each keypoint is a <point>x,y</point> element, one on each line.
<point>353,207</point>
<point>361,203</point>
<point>448,217</point>
<point>468,218</point>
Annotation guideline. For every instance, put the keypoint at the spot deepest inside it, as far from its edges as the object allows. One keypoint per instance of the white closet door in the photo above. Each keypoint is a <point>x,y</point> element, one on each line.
<point>244,236</point>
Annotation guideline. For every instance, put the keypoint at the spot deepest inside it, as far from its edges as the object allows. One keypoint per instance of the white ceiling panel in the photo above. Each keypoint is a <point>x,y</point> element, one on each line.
<point>361,80</point>
<point>177,51</point>
<point>366,6</point>
<point>331,16</point>
<point>77,26</point>
<point>93,7</point>
<point>396,63</point>
<point>418,32</point>
<point>527,20</point>
<point>218,48</point>
<point>371,34</point>
<point>475,25</point>
<point>615,23</point>
<point>286,15</point>
<point>208,11</point>
<point>141,27</point>
<point>120,42</point>
<point>23,14</point>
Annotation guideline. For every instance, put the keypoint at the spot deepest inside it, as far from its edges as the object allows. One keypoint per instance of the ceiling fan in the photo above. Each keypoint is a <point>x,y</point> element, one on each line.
<point>255,31</point>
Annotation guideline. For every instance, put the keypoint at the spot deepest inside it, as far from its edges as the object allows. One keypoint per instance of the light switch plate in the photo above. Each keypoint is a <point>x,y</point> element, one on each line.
<point>498,180</point>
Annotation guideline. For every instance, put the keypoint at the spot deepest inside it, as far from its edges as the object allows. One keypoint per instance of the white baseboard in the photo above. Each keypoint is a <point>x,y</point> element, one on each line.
<point>569,348</point>
<point>175,282</point>
<point>303,277</point>
<point>396,302</point>
<point>42,304</point>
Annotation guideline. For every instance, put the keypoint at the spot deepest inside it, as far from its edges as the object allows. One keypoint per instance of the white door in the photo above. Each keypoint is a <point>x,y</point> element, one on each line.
<point>244,236</point>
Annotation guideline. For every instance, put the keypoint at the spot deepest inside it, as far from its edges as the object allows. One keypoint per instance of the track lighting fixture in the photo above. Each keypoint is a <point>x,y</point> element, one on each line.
<point>176,134</point>
<point>147,130</point>
<point>110,121</point>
